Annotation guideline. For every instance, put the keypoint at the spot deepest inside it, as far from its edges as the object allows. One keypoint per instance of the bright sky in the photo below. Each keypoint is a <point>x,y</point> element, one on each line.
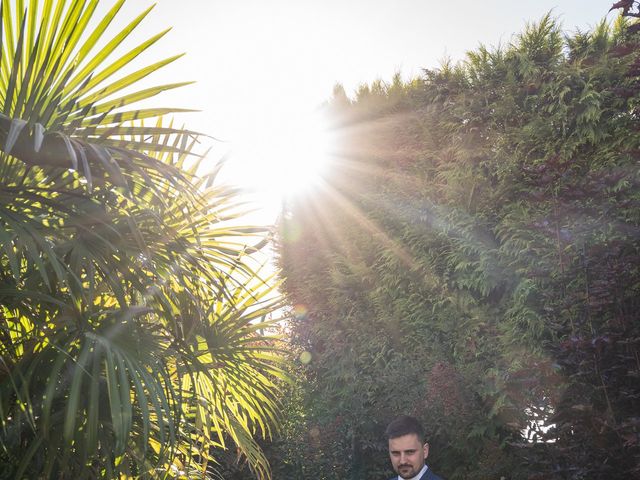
<point>262,66</point>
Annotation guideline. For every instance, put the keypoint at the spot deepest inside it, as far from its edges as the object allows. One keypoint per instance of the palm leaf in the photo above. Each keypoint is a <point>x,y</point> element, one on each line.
<point>133,318</point>
<point>72,93</point>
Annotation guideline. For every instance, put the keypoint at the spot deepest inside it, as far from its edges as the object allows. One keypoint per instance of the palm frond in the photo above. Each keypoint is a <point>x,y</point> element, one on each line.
<point>135,326</point>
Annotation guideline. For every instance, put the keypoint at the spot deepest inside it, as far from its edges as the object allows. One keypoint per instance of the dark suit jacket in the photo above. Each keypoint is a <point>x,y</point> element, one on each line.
<point>428,475</point>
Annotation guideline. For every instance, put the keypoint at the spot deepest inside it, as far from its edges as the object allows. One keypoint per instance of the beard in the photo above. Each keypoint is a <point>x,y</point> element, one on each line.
<point>407,471</point>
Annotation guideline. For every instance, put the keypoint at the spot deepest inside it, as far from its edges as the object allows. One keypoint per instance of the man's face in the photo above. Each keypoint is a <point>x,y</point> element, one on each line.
<point>407,455</point>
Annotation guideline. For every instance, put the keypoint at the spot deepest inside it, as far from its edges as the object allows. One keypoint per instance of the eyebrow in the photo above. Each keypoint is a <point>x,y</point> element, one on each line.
<point>409,450</point>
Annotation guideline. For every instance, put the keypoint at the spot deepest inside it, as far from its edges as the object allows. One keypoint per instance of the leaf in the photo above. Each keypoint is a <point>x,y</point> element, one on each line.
<point>38,136</point>
<point>73,402</point>
<point>16,127</point>
<point>71,151</point>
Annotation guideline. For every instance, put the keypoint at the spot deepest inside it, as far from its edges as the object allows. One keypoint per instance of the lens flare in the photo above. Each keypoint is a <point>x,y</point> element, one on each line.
<point>300,312</point>
<point>305,358</point>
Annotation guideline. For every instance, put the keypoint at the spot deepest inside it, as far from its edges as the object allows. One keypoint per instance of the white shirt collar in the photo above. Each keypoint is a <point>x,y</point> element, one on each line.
<point>417,477</point>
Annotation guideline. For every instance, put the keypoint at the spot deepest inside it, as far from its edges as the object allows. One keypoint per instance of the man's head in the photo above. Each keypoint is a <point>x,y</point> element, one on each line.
<point>407,447</point>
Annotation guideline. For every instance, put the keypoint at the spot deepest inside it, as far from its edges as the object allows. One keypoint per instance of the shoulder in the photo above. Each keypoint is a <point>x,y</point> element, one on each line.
<point>430,476</point>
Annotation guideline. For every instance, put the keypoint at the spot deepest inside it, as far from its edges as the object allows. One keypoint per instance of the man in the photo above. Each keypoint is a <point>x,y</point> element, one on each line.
<point>408,449</point>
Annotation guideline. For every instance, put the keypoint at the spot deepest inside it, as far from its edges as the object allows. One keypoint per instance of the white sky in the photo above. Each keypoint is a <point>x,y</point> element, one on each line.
<point>259,64</point>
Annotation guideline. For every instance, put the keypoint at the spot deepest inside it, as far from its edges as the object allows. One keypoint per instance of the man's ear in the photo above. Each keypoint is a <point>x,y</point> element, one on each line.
<point>425,448</point>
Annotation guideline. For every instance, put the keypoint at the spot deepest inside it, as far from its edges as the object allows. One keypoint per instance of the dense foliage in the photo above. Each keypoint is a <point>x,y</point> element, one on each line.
<point>133,323</point>
<point>474,259</point>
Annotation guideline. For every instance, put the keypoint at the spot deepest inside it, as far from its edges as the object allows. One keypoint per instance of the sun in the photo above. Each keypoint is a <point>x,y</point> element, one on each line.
<point>281,157</point>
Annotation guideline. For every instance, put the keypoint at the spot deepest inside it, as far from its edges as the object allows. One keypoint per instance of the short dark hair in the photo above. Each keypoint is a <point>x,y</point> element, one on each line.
<point>405,425</point>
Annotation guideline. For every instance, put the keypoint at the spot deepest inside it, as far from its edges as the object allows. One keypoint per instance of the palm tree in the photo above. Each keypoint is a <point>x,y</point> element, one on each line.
<point>133,321</point>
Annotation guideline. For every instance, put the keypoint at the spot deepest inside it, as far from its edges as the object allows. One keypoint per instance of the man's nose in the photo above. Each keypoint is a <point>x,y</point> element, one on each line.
<point>403,458</point>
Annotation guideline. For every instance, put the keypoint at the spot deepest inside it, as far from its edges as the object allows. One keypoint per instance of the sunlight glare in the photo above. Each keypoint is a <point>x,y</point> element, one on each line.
<point>281,158</point>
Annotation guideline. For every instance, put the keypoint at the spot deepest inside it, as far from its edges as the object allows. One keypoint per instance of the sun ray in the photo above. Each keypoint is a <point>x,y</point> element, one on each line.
<point>281,158</point>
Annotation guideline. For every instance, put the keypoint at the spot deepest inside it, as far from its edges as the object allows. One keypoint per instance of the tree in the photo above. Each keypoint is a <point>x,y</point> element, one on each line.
<point>134,323</point>
<point>473,260</point>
